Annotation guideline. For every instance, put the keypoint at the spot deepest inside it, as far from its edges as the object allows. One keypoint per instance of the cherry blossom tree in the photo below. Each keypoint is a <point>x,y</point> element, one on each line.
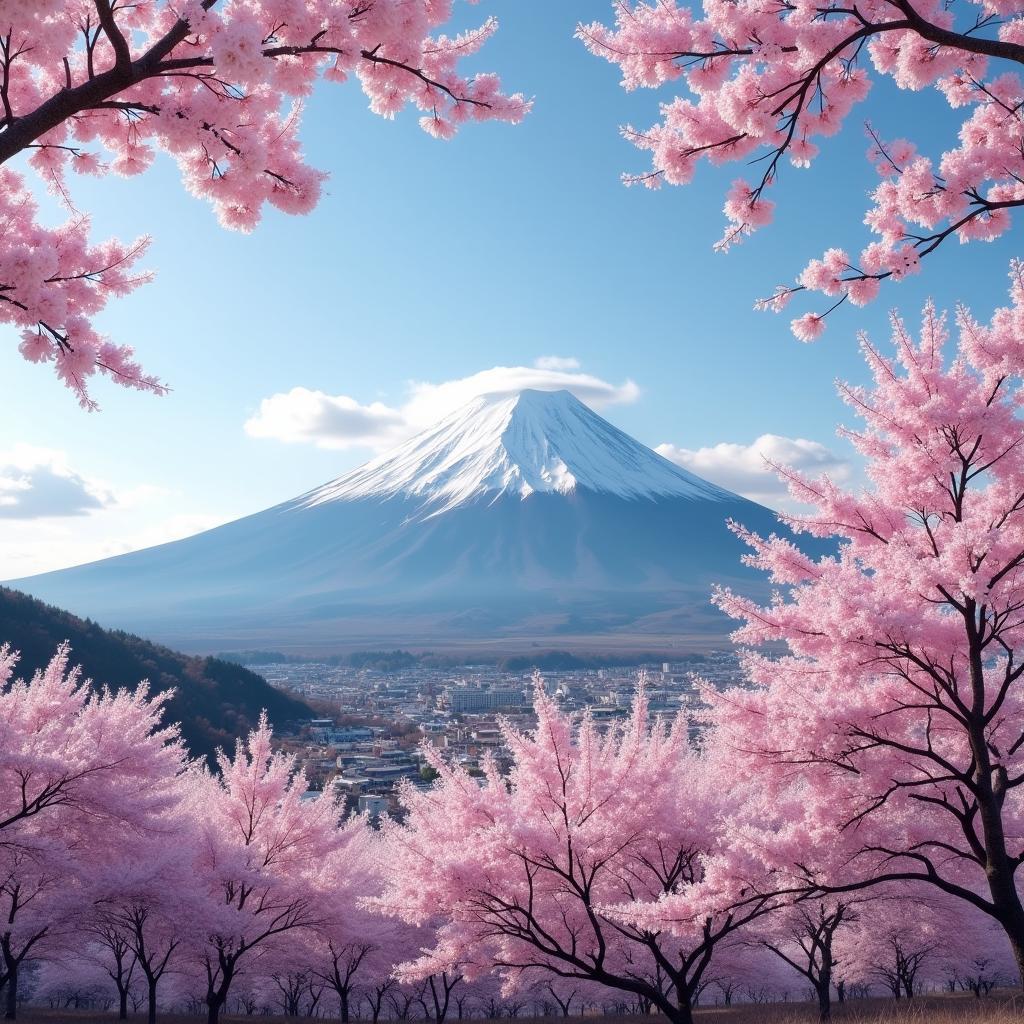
<point>146,901</point>
<point>601,858</point>
<point>113,952</point>
<point>35,898</point>
<point>435,993</point>
<point>746,971</point>
<point>376,986</point>
<point>769,81</point>
<point>907,947</point>
<point>66,749</point>
<point>904,944</point>
<point>343,967</point>
<point>352,947</point>
<point>266,859</point>
<point>101,86</point>
<point>80,773</point>
<point>899,959</point>
<point>566,994</point>
<point>804,938</point>
<point>283,976</point>
<point>82,981</point>
<point>899,697</point>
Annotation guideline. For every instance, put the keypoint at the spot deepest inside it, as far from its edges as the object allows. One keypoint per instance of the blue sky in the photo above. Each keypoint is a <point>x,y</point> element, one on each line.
<point>430,262</point>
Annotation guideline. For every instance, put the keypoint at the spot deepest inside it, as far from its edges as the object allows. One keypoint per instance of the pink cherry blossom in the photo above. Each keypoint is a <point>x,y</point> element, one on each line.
<point>808,327</point>
<point>265,859</point>
<point>769,81</point>
<point>605,858</point>
<point>98,87</point>
<point>899,699</point>
<point>82,775</point>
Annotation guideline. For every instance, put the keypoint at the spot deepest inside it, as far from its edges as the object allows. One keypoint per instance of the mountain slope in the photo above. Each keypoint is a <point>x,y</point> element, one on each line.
<point>517,517</point>
<point>215,701</point>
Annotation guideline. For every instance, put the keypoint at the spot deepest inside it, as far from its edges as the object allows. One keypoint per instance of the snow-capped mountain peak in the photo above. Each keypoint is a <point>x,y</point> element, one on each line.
<point>520,444</point>
<point>517,517</point>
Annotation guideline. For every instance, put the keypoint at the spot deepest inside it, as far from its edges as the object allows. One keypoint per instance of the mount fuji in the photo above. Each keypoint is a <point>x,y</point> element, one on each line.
<point>516,518</point>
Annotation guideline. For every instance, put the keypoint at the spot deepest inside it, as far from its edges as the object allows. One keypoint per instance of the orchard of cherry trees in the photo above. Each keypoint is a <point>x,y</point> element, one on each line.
<point>850,819</point>
<point>610,871</point>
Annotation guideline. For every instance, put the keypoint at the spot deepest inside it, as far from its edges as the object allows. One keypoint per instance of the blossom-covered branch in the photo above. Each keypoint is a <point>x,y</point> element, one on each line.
<point>770,80</point>
<point>103,86</point>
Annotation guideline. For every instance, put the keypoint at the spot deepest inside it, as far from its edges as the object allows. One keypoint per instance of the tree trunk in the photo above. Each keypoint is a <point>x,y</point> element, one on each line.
<point>122,1008</point>
<point>1011,916</point>
<point>824,1000</point>
<point>151,1001</point>
<point>12,993</point>
<point>1016,938</point>
<point>992,784</point>
<point>216,998</point>
<point>343,997</point>
<point>684,1007</point>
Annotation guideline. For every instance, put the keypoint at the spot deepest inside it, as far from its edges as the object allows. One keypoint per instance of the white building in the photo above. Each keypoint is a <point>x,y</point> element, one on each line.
<point>472,700</point>
<point>375,806</point>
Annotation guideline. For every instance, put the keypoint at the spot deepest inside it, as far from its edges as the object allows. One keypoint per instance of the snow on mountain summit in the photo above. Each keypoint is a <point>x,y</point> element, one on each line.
<point>520,444</point>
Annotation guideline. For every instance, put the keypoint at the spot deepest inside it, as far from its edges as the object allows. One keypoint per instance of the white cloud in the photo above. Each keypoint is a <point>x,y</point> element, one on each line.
<point>54,516</point>
<point>329,421</point>
<point>37,483</point>
<point>745,469</point>
<point>429,402</point>
<point>303,415</point>
<point>557,363</point>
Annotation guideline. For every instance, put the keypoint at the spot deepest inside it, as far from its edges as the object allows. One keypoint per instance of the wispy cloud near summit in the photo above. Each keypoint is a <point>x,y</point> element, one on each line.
<point>303,415</point>
<point>747,468</point>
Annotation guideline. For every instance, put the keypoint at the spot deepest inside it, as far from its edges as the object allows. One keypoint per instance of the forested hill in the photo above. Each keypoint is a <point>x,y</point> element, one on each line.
<point>215,701</point>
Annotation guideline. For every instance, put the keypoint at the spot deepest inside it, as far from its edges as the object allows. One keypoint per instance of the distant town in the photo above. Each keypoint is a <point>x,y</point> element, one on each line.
<point>374,716</point>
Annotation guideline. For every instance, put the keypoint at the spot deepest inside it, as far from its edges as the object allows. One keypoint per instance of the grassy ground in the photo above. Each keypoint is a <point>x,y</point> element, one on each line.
<point>958,1009</point>
<point>921,1010</point>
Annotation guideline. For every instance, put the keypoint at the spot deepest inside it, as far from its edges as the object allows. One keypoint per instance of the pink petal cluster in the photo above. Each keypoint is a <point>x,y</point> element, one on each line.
<point>767,81</point>
<point>97,88</point>
<point>54,282</point>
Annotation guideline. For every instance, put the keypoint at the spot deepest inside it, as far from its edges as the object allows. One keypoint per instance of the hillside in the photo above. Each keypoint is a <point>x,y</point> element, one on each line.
<point>215,701</point>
